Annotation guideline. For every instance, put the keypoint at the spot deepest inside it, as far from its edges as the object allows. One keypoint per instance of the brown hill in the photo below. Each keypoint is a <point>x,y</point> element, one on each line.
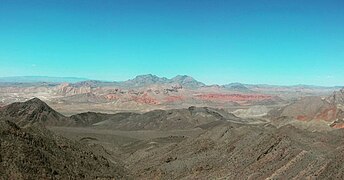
<point>224,146</point>
<point>90,118</point>
<point>31,112</point>
<point>339,123</point>
<point>84,98</point>
<point>168,119</point>
<point>337,97</point>
<point>36,153</point>
<point>306,109</point>
<point>233,151</point>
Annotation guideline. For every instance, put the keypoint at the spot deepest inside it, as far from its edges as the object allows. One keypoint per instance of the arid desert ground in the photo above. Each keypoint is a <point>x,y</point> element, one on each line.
<point>158,128</point>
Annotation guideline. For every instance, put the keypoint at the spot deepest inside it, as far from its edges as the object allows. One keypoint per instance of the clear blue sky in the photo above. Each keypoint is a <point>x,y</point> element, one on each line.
<point>261,41</point>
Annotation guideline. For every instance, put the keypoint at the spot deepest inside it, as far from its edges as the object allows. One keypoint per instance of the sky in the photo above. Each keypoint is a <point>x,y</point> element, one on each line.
<point>282,42</point>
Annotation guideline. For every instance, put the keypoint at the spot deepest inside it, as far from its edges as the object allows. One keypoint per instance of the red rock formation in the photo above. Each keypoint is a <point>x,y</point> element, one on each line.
<point>302,118</point>
<point>173,98</point>
<point>329,114</point>
<point>112,97</point>
<point>145,99</point>
<point>339,126</point>
<point>233,97</point>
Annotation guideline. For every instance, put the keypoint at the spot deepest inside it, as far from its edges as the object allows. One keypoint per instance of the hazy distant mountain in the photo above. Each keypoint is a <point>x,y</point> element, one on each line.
<point>293,87</point>
<point>31,79</point>
<point>187,81</point>
<point>149,79</point>
<point>237,87</point>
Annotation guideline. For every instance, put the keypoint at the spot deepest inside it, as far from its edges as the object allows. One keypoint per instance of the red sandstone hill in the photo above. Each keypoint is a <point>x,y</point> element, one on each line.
<point>238,98</point>
<point>307,109</point>
<point>314,108</point>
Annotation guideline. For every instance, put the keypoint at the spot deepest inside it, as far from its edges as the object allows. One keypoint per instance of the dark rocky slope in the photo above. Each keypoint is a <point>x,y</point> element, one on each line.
<point>36,153</point>
<point>32,112</point>
<point>233,151</point>
<point>174,119</point>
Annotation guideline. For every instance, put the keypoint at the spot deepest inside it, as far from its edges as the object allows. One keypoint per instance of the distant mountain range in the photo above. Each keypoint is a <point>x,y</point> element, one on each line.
<point>148,79</point>
<point>33,79</point>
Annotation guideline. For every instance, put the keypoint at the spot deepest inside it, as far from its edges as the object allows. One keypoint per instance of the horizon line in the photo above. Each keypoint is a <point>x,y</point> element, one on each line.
<point>83,79</point>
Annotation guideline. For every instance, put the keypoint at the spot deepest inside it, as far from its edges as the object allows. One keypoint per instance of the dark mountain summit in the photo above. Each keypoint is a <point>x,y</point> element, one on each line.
<point>31,112</point>
<point>30,151</point>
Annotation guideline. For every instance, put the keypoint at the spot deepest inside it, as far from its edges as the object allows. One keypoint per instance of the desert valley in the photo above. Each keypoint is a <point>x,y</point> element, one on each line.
<point>152,127</point>
<point>171,90</point>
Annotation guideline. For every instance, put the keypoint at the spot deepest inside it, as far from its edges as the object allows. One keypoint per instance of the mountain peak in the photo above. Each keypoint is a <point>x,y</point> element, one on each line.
<point>30,112</point>
<point>146,79</point>
<point>183,77</point>
<point>146,76</point>
<point>35,100</point>
<point>237,87</point>
<point>149,79</point>
<point>187,81</point>
<point>36,103</point>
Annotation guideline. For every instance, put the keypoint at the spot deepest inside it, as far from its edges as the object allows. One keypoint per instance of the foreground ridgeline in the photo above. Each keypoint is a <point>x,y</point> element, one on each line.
<point>191,143</point>
<point>34,152</point>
